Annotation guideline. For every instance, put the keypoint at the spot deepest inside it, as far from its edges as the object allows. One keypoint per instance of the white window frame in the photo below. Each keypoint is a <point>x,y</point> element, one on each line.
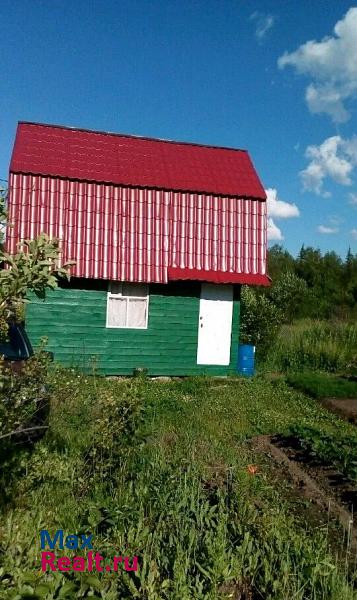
<point>119,294</point>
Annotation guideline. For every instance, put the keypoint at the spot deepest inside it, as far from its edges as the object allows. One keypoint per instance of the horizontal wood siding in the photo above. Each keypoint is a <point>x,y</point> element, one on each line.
<point>73,319</point>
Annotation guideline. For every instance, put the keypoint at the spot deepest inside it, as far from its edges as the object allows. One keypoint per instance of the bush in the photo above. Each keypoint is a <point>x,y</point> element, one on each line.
<point>260,319</point>
<point>103,422</point>
<point>22,395</point>
<point>289,294</point>
<point>24,411</point>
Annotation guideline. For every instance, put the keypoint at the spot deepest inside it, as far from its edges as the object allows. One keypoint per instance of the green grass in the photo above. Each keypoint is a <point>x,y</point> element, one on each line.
<point>160,470</point>
<point>315,345</point>
<point>323,385</point>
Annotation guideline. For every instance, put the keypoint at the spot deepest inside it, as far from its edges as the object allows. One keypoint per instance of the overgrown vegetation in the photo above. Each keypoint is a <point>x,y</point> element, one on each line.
<point>323,385</point>
<point>329,448</point>
<point>34,268</point>
<point>306,319</point>
<point>162,470</point>
<point>315,345</point>
<point>331,282</point>
<point>22,395</point>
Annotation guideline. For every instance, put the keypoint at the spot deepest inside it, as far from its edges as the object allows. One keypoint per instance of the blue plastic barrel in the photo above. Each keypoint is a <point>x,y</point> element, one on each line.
<point>246,360</point>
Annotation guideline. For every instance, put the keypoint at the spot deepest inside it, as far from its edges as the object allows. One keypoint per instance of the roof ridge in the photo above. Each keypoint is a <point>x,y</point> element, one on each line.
<point>129,135</point>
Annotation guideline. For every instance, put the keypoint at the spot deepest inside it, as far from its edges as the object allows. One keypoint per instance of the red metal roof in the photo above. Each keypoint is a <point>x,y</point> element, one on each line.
<point>128,234</point>
<point>139,232</point>
<point>133,161</point>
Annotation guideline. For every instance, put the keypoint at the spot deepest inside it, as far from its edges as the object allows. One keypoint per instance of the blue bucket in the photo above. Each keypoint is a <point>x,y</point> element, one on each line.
<point>246,360</point>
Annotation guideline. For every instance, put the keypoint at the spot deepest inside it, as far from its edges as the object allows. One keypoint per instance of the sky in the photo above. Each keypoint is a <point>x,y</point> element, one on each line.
<point>278,78</point>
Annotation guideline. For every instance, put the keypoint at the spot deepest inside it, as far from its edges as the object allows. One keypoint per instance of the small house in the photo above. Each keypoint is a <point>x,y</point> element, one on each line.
<point>163,234</point>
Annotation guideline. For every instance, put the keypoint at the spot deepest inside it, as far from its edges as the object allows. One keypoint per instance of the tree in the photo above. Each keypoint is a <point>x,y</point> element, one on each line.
<point>34,268</point>
<point>260,319</point>
<point>309,266</point>
<point>350,278</point>
<point>279,261</point>
<point>289,294</point>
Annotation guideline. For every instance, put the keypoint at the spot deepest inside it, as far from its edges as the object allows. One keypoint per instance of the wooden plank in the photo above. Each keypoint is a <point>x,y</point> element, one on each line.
<point>74,322</point>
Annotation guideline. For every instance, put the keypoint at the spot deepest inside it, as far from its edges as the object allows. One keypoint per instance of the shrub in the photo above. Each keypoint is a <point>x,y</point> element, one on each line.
<point>288,294</point>
<point>260,319</point>
<point>21,395</point>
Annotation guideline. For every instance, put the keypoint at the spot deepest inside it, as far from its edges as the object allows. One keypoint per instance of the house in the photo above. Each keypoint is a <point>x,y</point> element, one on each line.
<point>162,233</point>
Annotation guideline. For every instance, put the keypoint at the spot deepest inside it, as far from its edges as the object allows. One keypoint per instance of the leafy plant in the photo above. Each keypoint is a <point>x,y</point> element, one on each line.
<point>33,268</point>
<point>288,293</point>
<point>329,448</point>
<point>260,319</point>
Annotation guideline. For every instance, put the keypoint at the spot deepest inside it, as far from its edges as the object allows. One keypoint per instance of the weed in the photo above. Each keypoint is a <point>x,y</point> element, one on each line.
<point>315,345</point>
<point>162,470</point>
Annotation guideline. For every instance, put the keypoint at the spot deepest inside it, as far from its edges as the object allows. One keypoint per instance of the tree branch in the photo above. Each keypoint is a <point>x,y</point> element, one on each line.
<point>17,431</point>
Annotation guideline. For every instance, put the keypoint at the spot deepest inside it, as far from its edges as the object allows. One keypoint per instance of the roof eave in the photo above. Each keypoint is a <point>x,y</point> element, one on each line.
<point>15,171</point>
<point>177,274</point>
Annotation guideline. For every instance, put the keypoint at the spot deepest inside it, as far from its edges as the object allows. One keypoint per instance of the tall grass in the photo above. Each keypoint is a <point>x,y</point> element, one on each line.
<point>176,492</point>
<point>316,345</point>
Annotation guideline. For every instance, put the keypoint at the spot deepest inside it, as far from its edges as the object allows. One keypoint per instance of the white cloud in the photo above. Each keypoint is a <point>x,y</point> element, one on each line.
<point>274,233</point>
<point>324,229</point>
<point>353,199</point>
<point>332,66</point>
<point>335,158</point>
<point>263,24</point>
<point>278,208</point>
<point>353,232</point>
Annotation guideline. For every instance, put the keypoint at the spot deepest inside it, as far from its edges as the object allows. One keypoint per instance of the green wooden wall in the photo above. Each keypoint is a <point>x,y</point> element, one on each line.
<point>73,319</point>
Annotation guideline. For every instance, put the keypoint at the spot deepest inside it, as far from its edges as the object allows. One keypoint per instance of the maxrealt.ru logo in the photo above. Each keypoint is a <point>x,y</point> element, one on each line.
<point>92,561</point>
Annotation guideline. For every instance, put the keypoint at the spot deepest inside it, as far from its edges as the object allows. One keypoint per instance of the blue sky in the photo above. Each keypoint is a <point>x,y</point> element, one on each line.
<point>277,78</point>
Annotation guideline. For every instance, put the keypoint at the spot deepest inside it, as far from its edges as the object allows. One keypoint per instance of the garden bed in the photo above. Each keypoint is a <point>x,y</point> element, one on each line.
<point>314,478</point>
<point>344,407</point>
<point>323,385</point>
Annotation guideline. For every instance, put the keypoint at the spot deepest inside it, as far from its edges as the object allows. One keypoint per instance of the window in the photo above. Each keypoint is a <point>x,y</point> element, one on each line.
<point>127,305</point>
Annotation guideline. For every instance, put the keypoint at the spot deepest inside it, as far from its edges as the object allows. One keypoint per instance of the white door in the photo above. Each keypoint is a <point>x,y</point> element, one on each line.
<point>215,324</point>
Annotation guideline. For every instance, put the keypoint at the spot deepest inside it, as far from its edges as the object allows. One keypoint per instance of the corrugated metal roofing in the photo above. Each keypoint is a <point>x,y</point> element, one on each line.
<point>126,234</point>
<point>134,233</point>
<point>133,161</point>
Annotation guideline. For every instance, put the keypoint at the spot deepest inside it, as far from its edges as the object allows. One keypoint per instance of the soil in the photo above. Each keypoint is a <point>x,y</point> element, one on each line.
<point>319,483</point>
<point>241,590</point>
<point>345,407</point>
